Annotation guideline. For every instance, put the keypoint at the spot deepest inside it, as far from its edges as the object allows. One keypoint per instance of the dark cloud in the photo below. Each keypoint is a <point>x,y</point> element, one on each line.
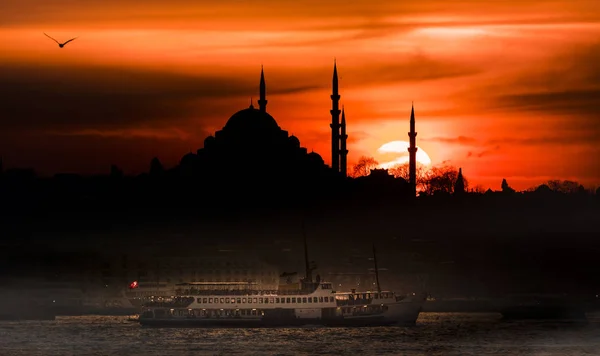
<point>460,140</point>
<point>90,154</point>
<point>314,137</point>
<point>579,102</point>
<point>56,98</point>
<point>571,138</point>
<point>566,85</point>
<point>292,12</point>
<point>480,154</point>
<point>408,68</point>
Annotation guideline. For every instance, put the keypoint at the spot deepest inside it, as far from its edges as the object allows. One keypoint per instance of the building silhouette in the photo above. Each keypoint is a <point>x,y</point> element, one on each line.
<point>252,145</point>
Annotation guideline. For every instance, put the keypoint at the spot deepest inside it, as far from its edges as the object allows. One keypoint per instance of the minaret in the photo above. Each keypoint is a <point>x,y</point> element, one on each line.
<point>412,152</point>
<point>459,185</point>
<point>343,150</point>
<point>262,101</point>
<point>335,122</point>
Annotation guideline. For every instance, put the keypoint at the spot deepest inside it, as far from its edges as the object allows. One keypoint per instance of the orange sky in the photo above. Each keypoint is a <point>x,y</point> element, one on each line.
<point>504,89</point>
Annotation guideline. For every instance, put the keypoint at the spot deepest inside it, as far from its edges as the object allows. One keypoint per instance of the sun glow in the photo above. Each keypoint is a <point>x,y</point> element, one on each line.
<point>399,149</point>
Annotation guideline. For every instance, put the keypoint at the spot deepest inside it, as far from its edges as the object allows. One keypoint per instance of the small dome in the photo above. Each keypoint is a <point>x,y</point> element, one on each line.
<point>316,158</point>
<point>209,141</point>
<point>189,158</point>
<point>251,119</point>
<point>294,141</point>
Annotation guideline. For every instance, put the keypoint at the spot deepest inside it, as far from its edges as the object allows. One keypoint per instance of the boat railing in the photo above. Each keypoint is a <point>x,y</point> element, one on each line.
<point>177,302</point>
<point>245,292</point>
<point>224,292</point>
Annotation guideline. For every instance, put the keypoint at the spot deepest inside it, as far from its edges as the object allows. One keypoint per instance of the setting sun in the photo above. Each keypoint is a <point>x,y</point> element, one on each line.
<point>399,151</point>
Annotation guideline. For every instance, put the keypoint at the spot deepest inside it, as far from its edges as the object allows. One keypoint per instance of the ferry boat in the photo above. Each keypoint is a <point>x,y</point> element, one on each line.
<point>241,304</point>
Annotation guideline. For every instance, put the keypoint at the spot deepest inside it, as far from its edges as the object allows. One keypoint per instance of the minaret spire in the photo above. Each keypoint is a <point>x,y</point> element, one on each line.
<point>343,149</point>
<point>262,101</point>
<point>335,121</point>
<point>412,151</point>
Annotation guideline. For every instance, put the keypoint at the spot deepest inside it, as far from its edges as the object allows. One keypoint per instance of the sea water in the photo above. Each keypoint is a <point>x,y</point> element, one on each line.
<point>434,334</point>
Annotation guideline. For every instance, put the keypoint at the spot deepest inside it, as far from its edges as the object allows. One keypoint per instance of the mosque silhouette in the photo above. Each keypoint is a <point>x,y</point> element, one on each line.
<point>253,146</point>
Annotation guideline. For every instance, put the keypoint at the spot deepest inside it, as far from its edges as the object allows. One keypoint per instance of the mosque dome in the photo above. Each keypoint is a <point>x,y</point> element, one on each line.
<point>251,119</point>
<point>209,141</point>
<point>294,141</point>
<point>316,158</point>
<point>188,159</point>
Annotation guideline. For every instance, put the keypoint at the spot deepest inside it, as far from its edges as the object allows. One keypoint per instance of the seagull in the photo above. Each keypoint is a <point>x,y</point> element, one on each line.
<point>61,45</point>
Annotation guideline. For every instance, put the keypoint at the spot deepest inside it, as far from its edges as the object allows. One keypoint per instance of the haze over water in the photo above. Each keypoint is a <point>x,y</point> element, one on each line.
<point>435,334</point>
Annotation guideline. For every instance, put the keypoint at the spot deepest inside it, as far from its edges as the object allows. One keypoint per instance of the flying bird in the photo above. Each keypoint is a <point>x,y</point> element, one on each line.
<point>61,45</point>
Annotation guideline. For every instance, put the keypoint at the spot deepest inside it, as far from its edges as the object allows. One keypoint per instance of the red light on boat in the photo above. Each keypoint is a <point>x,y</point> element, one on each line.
<point>133,285</point>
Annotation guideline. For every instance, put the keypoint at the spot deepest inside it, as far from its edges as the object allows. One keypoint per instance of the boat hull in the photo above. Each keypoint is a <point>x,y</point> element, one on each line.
<point>398,314</point>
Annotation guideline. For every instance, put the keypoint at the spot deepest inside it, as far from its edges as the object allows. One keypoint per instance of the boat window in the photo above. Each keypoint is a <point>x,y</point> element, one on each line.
<point>260,300</point>
<point>293,300</point>
<point>304,300</point>
<point>272,300</point>
<point>255,300</point>
<point>210,300</point>
<point>376,295</point>
<point>243,300</point>
<point>227,300</point>
<point>320,299</point>
<point>287,300</point>
<point>309,299</point>
<point>239,300</point>
<point>221,300</point>
<point>276,300</point>
<point>315,299</point>
<point>198,300</point>
<point>266,300</point>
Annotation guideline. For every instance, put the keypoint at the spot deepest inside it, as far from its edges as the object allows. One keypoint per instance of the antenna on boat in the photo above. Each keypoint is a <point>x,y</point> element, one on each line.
<point>306,262</point>
<point>376,270</point>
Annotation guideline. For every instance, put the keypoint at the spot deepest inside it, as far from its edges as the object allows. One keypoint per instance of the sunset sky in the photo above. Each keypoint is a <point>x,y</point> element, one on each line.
<point>503,89</point>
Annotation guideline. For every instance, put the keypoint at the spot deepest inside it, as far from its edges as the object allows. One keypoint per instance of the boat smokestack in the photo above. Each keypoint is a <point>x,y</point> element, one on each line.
<point>376,270</point>
<point>306,262</point>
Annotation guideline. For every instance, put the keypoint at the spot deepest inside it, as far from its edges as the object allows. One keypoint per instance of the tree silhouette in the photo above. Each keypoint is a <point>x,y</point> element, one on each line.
<point>364,166</point>
<point>479,189</point>
<point>563,186</point>
<point>403,171</point>
<point>505,187</point>
<point>441,179</point>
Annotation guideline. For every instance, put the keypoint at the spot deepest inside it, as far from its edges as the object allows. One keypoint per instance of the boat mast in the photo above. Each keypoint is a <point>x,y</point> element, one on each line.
<point>376,270</point>
<point>307,264</point>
